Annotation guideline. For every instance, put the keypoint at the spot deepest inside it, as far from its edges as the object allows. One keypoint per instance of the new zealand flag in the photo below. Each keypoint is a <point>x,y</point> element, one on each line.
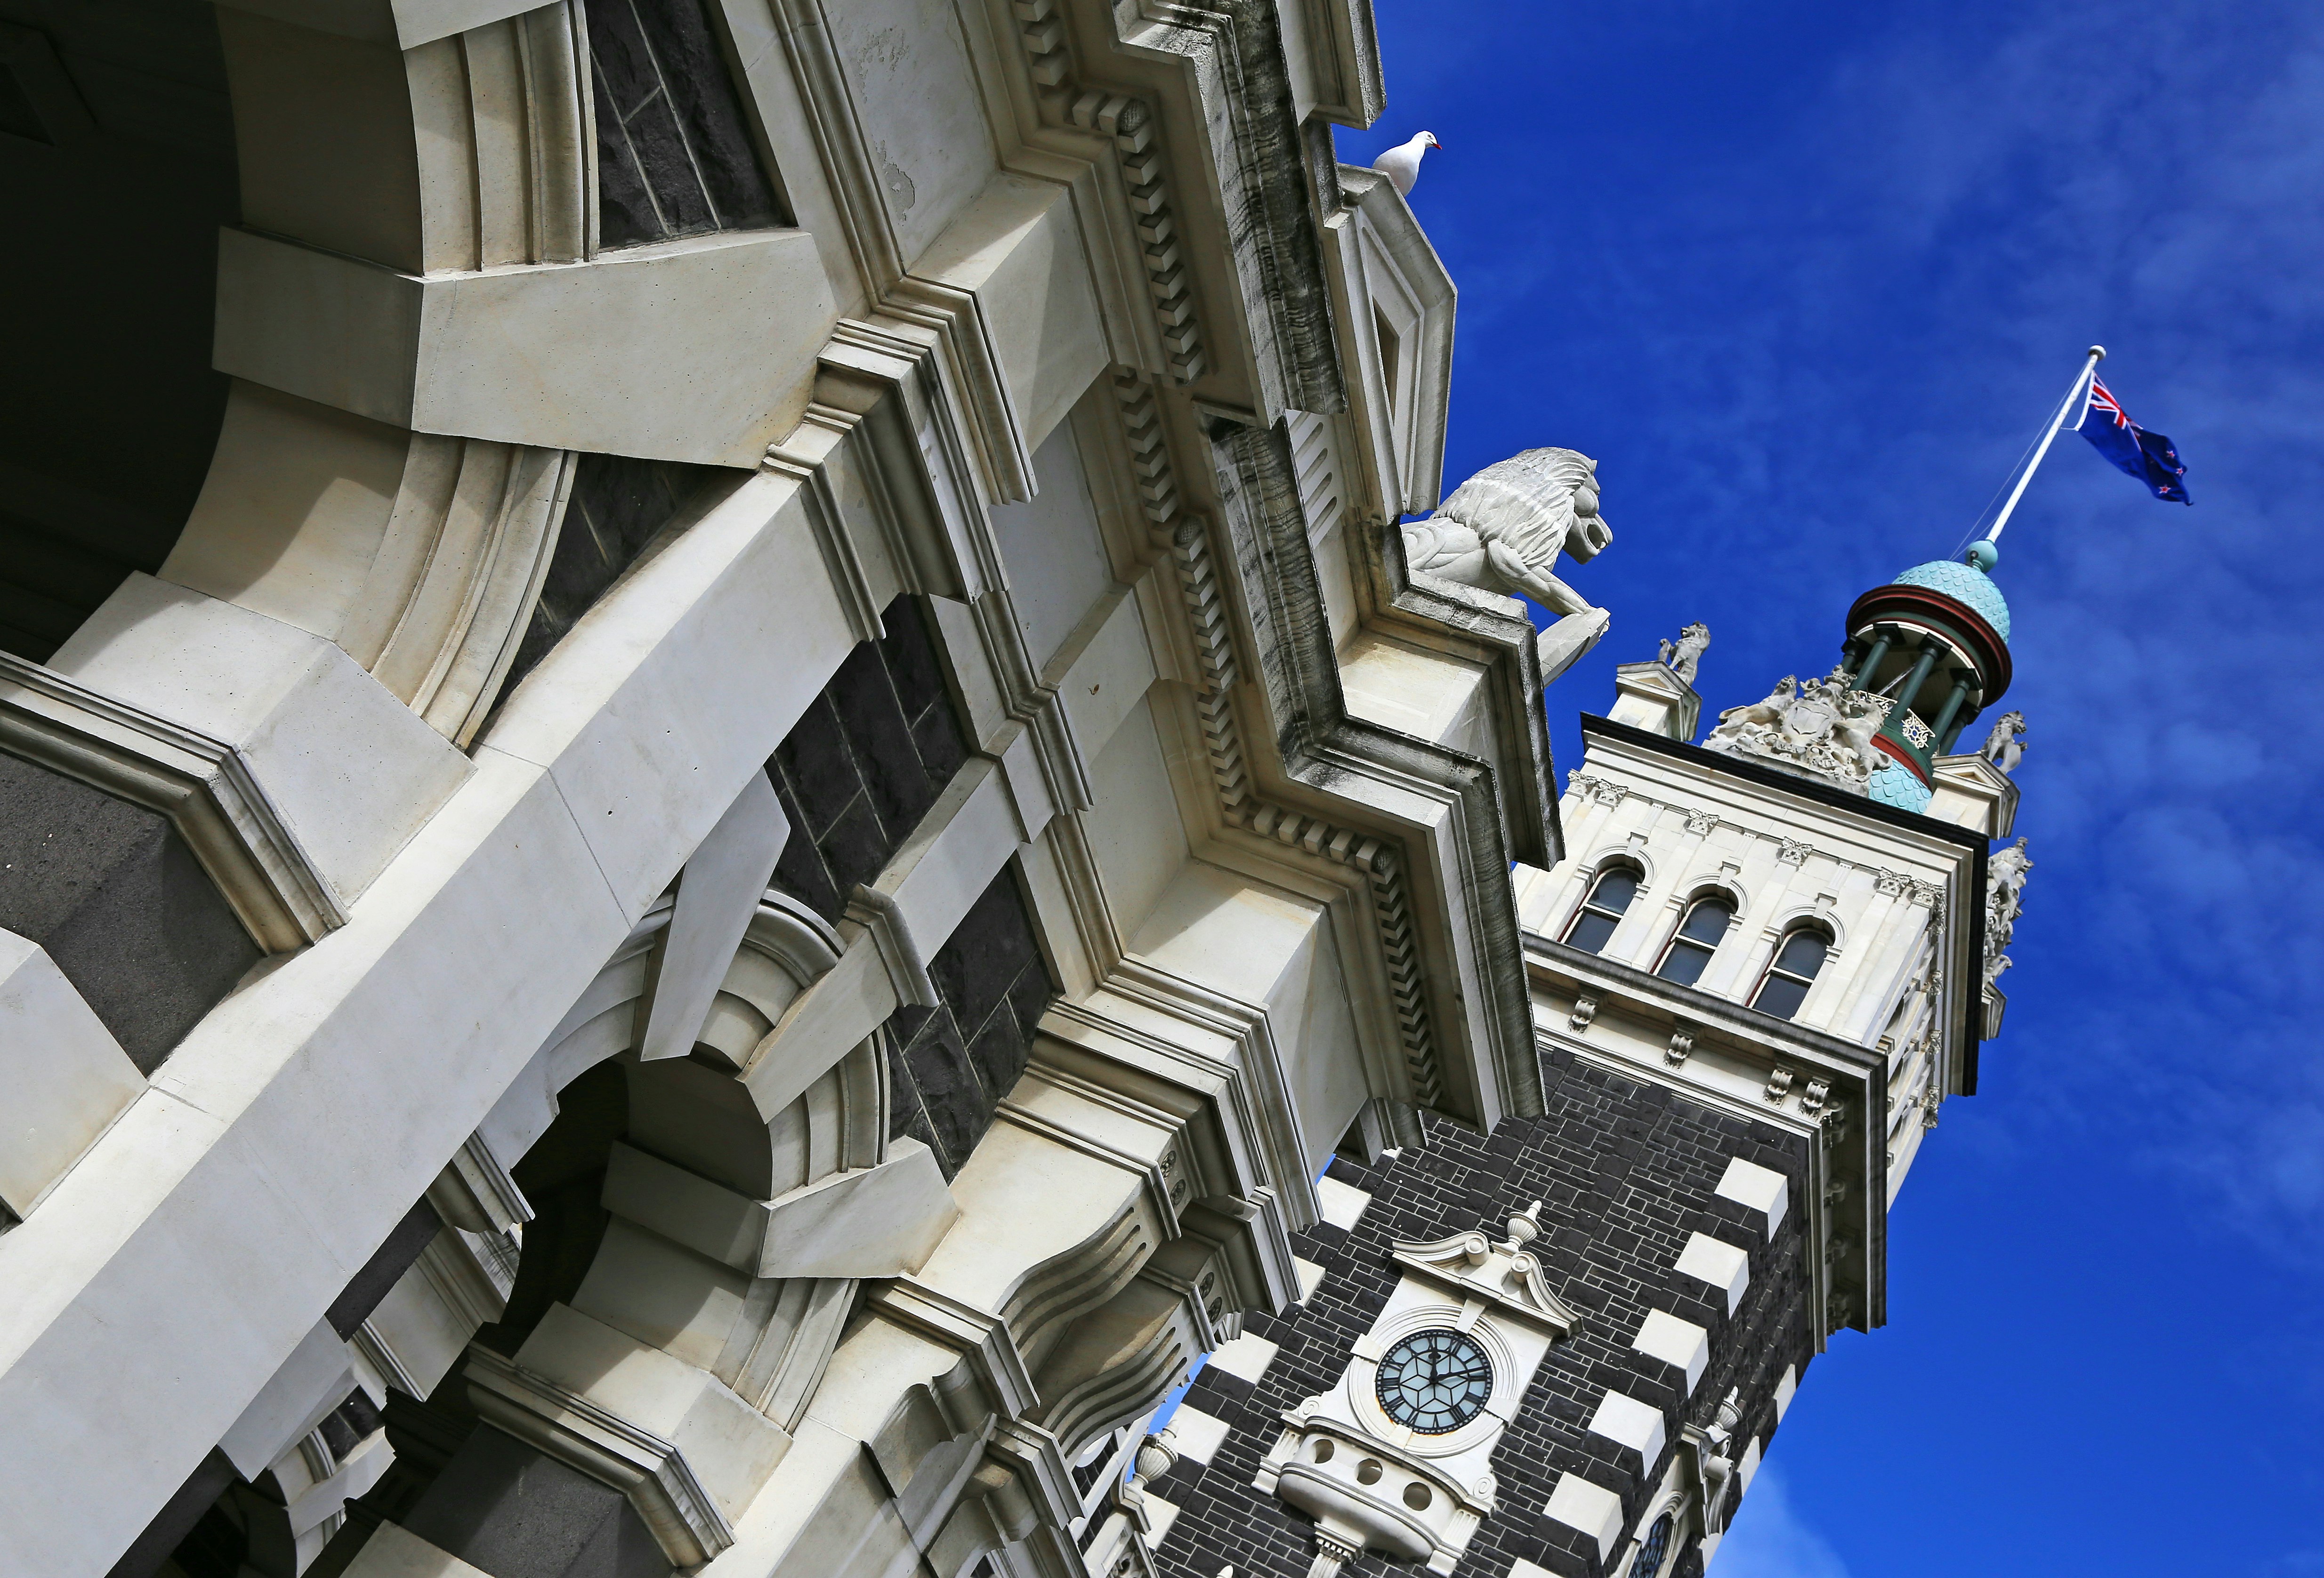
<point>2148,456</point>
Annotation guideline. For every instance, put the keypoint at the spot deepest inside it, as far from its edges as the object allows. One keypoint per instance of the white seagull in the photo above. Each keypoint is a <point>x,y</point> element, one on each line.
<point>1401,164</point>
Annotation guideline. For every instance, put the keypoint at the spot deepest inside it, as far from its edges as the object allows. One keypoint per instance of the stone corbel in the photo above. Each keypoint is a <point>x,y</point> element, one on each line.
<point>882,920</point>
<point>204,785</point>
<point>687,1451</point>
<point>1682,1046</point>
<point>1709,1460</point>
<point>476,1192</point>
<point>1113,1361</point>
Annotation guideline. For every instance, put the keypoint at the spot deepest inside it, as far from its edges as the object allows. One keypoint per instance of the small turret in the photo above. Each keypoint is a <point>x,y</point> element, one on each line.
<point>1935,643</point>
<point>1923,655</point>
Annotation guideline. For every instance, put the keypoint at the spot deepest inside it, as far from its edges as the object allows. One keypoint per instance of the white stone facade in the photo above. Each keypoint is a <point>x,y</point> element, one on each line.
<point>1069,331</point>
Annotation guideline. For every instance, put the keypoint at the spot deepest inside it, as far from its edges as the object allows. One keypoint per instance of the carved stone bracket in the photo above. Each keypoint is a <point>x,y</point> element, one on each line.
<point>202,785</point>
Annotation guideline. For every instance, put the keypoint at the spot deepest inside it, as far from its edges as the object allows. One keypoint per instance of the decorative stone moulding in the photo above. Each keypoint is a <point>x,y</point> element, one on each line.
<point>203,785</point>
<point>1130,123</point>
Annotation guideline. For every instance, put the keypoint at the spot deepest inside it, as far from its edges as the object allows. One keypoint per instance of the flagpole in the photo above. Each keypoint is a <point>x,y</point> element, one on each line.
<point>2097,354</point>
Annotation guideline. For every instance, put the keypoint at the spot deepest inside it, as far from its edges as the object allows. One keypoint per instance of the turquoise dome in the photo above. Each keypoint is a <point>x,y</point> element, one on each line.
<point>1895,785</point>
<point>1964,584</point>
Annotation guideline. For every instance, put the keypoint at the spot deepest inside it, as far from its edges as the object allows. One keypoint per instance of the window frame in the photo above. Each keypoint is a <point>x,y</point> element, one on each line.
<point>1769,970</point>
<point>1709,895</point>
<point>1605,868</point>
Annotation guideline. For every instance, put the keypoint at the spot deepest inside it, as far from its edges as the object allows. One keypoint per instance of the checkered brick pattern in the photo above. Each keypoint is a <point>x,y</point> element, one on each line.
<point>1626,1173</point>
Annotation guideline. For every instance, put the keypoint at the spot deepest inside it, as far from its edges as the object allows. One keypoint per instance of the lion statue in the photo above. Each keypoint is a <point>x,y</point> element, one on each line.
<point>1681,656</point>
<point>2005,746</point>
<point>1503,529</point>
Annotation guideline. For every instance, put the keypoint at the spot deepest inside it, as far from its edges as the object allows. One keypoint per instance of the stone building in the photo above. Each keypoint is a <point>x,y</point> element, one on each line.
<point>700,854</point>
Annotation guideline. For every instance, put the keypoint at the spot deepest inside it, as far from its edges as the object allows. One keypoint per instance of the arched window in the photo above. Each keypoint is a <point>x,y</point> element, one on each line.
<point>1653,1549</point>
<point>1791,971</point>
<point>1602,911</point>
<point>1697,939</point>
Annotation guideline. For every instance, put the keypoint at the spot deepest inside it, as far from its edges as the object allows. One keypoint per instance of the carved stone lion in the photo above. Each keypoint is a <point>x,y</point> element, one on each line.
<point>2005,746</point>
<point>1503,529</point>
<point>1822,729</point>
<point>1681,656</point>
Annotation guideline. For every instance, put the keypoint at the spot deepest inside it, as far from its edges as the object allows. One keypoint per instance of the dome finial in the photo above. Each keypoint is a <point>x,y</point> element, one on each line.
<point>1984,553</point>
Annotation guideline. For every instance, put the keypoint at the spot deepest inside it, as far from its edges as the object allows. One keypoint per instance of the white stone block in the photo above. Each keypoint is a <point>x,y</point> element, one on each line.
<point>1109,677</point>
<point>1053,551</point>
<point>393,1552</point>
<point>1675,1341</point>
<point>1747,1466</point>
<point>1749,1184</point>
<point>1718,1263</point>
<point>1159,1516</point>
<point>1786,1385</point>
<point>1196,1434</point>
<point>730,1446</point>
<point>1310,1278</point>
<point>353,772</point>
<point>1343,1205</point>
<point>314,1379</point>
<point>699,350</point>
<point>1633,1423</point>
<point>881,1221</point>
<point>1246,1357</point>
<point>719,892</point>
<point>66,1076</point>
<point>653,712</point>
<point>1592,1509</point>
<point>1521,1568</point>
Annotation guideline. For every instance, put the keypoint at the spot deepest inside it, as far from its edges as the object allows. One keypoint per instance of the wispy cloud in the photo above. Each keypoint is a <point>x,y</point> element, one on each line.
<point>1770,1538</point>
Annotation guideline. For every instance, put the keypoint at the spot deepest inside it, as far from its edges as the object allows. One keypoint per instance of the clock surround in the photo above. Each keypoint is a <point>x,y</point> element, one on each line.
<point>1375,1480</point>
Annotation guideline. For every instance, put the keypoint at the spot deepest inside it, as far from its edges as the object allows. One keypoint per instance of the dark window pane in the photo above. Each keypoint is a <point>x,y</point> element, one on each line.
<point>1615,890</point>
<point>1684,962</point>
<point>1781,996</point>
<point>1651,1550</point>
<point>1590,930</point>
<point>1707,922</point>
<point>1803,954</point>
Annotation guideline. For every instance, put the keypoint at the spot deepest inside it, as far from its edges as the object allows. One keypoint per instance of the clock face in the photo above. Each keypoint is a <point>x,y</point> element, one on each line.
<point>1435,1381</point>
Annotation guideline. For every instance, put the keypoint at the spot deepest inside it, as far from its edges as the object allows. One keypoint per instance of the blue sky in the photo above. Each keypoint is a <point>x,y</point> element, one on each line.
<point>1805,280</point>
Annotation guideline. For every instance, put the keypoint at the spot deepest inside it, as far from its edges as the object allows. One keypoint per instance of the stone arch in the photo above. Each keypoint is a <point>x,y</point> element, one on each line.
<point>695,1312</point>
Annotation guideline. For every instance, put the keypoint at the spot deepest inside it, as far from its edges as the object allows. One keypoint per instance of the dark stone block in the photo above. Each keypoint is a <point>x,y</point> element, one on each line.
<point>1031,996</point>
<point>625,62</point>
<point>625,210</point>
<point>121,906</point>
<point>981,961</point>
<point>998,1053</point>
<point>937,739</point>
<point>814,764</point>
<point>800,872</point>
<point>854,849</point>
<point>910,655</point>
<point>710,113</point>
<point>513,1512</point>
<point>617,507</point>
<point>669,165</point>
<point>881,742</point>
<point>958,1110</point>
